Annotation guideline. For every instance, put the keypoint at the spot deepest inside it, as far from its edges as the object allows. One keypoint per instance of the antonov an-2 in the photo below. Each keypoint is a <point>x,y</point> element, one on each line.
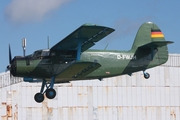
<point>71,59</point>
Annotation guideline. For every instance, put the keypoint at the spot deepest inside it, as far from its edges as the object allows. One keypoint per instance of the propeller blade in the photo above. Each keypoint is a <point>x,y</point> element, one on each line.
<point>10,62</point>
<point>10,57</point>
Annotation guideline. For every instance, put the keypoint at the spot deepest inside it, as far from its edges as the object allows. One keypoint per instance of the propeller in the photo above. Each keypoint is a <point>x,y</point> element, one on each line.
<point>10,61</point>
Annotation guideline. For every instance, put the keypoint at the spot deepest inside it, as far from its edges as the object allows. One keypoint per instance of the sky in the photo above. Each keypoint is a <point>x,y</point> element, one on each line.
<point>35,20</point>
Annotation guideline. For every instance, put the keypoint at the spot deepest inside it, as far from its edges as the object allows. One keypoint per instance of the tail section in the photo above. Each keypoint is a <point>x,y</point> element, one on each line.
<point>147,33</point>
<point>150,41</point>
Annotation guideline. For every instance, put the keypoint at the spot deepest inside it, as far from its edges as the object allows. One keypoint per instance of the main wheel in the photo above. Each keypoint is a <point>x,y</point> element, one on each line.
<point>39,97</point>
<point>50,93</point>
<point>146,75</point>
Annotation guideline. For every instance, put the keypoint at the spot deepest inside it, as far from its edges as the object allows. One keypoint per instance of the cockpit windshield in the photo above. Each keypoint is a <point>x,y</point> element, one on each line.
<point>40,53</point>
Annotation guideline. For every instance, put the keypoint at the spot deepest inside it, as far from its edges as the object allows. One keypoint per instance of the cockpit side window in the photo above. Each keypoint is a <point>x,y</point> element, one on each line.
<point>45,53</point>
<point>40,54</point>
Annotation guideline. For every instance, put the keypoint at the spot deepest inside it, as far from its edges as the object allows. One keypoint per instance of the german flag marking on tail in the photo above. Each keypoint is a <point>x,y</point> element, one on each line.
<point>157,34</point>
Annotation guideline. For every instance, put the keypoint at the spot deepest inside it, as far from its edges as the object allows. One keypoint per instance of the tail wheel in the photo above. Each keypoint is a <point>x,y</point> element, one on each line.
<point>146,75</point>
<point>50,93</point>
<point>39,97</point>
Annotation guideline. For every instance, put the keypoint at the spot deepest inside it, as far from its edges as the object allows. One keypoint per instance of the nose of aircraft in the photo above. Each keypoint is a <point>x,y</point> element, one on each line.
<point>12,67</point>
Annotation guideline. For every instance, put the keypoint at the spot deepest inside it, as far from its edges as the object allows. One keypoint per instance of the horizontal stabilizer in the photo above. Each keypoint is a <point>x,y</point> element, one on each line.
<point>79,70</point>
<point>155,44</point>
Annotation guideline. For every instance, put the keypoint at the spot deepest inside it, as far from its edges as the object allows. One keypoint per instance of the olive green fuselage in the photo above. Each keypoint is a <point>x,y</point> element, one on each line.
<point>113,63</point>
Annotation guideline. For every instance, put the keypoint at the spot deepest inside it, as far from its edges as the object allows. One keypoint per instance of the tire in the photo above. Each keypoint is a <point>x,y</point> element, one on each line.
<point>39,97</point>
<point>146,75</point>
<point>50,93</point>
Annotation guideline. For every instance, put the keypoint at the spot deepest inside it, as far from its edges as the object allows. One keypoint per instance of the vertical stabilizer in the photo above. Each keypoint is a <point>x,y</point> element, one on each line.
<point>150,41</point>
<point>147,33</point>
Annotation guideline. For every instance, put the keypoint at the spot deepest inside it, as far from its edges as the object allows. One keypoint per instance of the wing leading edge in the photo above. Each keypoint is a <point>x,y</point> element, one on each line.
<point>87,35</point>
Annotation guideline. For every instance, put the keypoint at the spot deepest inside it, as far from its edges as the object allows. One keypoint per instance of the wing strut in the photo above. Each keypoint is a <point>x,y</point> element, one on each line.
<point>79,50</point>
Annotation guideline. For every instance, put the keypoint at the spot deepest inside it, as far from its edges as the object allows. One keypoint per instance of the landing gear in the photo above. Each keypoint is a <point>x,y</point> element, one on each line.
<point>50,92</point>
<point>146,75</point>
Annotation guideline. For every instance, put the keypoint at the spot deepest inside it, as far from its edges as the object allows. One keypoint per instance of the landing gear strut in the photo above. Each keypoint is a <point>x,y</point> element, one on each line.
<point>50,92</point>
<point>146,75</point>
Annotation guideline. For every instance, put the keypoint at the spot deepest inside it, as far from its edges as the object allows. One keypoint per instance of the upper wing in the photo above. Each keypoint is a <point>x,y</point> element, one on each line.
<point>88,34</point>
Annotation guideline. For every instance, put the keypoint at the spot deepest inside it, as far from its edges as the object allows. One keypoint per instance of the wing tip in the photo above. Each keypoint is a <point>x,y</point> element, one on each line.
<point>90,24</point>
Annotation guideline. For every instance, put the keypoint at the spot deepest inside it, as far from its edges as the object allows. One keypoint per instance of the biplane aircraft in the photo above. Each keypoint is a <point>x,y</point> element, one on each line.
<point>71,59</point>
